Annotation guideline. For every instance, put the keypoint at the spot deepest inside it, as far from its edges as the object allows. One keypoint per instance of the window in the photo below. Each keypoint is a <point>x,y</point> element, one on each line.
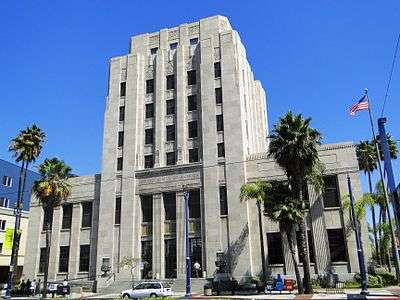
<point>67,216</point>
<point>311,252</point>
<point>148,161</point>
<point>47,219</point>
<point>193,155</point>
<point>120,163</point>
<point>117,216</point>
<point>147,259</point>
<point>147,208</point>
<point>218,95</point>
<point>122,113</point>
<point>149,110</point>
<point>337,245</point>
<point>194,41</point>
<point>153,50</point>
<point>173,46</point>
<point>194,204</point>
<point>221,149</point>
<point>1,248</point>
<point>42,260</point>
<point>170,132</point>
<point>84,258</point>
<point>192,102</point>
<point>122,89</point>
<point>223,201</point>
<point>170,258</point>
<point>217,69</point>
<point>275,250</point>
<point>192,129</point>
<point>86,214</point>
<point>331,193</point>
<point>171,107</point>
<point>170,82</point>
<point>7,181</point>
<point>63,259</point>
<point>148,139</point>
<point>220,123</point>
<point>4,202</point>
<point>149,86</point>
<point>191,76</point>
<point>2,224</point>
<point>120,138</point>
<point>171,158</point>
<point>170,206</point>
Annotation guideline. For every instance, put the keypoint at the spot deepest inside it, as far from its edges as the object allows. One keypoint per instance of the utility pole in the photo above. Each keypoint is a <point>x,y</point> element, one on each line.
<point>187,245</point>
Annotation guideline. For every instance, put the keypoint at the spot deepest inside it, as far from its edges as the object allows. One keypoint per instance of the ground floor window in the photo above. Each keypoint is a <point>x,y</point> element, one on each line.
<point>147,260</point>
<point>275,249</point>
<point>64,259</point>
<point>42,260</point>
<point>84,258</point>
<point>337,245</point>
<point>170,258</point>
<point>195,246</point>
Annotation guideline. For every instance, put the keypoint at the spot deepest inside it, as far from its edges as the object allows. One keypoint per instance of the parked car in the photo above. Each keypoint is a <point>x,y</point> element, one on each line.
<point>147,289</point>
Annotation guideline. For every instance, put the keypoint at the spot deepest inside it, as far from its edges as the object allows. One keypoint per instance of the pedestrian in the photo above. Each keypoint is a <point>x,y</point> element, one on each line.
<point>65,288</point>
<point>33,287</point>
<point>197,268</point>
<point>22,287</point>
<point>38,287</point>
<point>28,287</point>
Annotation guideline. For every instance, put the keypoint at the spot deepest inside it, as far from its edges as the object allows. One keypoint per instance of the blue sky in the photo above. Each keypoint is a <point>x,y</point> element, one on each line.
<point>313,57</point>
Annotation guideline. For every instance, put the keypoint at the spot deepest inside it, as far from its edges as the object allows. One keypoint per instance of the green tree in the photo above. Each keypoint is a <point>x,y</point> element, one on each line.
<point>130,263</point>
<point>393,150</point>
<point>294,146</point>
<point>256,191</point>
<point>51,189</point>
<point>360,208</point>
<point>25,149</point>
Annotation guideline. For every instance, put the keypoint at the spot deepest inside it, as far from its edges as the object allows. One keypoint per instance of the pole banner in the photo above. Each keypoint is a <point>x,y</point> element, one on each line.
<point>8,239</point>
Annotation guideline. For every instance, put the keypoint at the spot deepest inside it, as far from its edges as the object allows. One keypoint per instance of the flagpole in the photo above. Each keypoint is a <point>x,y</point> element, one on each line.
<point>392,233</point>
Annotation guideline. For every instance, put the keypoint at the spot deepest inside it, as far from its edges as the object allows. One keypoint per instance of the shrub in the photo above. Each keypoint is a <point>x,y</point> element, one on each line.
<point>374,281</point>
<point>387,278</point>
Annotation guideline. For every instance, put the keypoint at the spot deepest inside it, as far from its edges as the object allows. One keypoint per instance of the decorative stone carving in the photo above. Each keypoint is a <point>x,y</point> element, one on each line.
<point>123,74</point>
<point>150,72</point>
<point>194,29</point>
<point>173,35</point>
<point>169,68</point>
<point>153,39</point>
<point>217,53</point>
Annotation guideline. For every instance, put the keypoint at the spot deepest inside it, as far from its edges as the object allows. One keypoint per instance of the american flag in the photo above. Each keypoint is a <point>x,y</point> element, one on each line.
<point>362,104</point>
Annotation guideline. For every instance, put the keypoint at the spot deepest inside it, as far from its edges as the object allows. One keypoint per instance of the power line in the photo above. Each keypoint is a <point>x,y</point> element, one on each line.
<point>390,75</point>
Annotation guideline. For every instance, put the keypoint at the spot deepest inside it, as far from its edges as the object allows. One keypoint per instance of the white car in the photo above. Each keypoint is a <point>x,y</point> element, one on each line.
<point>147,289</point>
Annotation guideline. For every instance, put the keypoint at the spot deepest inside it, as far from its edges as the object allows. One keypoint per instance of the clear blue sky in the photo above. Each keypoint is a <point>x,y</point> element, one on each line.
<point>314,57</point>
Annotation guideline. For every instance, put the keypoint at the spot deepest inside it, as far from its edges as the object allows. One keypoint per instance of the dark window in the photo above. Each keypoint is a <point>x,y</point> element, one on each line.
<point>221,149</point>
<point>218,95</point>
<point>122,89</point>
<point>193,155</point>
<point>149,86</point>
<point>1,247</point>
<point>192,102</point>
<point>217,69</point>
<point>195,246</point>
<point>153,50</point>
<point>170,258</point>
<point>67,216</point>
<point>120,138</point>
<point>148,161</point>
<point>42,260</point>
<point>305,195</point>
<point>63,260</point>
<point>47,219</point>
<point>7,181</point>
<point>171,158</point>
<point>119,163</point>
<point>86,214</point>
<point>2,224</point>
<point>275,250</point>
<point>170,132</point>
<point>194,41</point>
<point>117,216</point>
<point>331,193</point>
<point>4,202</point>
<point>192,129</point>
<point>149,110</point>
<point>194,204</point>
<point>148,139</point>
<point>147,208</point>
<point>337,245</point>
<point>173,46</point>
<point>191,76</point>
<point>170,82</point>
<point>147,259</point>
<point>223,201</point>
<point>220,123</point>
<point>170,206</point>
<point>84,258</point>
<point>171,107</point>
<point>311,252</point>
<point>122,113</point>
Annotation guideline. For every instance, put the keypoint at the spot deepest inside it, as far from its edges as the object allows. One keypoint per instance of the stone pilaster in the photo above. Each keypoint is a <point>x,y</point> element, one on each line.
<point>158,237</point>
<point>74,243</point>
<point>55,242</point>
<point>180,235</point>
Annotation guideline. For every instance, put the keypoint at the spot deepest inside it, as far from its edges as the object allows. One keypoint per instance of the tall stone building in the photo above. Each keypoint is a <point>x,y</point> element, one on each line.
<point>184,113</point>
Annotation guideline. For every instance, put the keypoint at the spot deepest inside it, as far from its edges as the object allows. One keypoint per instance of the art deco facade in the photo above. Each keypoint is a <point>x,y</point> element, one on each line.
<point>184,112</point>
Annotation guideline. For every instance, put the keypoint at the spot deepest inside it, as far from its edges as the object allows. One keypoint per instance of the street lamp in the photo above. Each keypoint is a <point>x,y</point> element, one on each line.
<point>187,246</point>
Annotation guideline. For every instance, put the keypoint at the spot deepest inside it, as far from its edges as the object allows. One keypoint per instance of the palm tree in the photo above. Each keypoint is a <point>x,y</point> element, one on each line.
<point>51,190</point>
<point>393,150</point>
<point>25,148</point>
<point>293,145</point>
<point>256,191</point>
<point>367,162</point>
<point>281,207</point>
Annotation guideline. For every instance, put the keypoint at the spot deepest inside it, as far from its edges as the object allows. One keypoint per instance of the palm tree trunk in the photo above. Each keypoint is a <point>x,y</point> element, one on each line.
<point>48,213</point>
<point>381,217</point>
<point>264,279</point>
<point>289,236</point>
<point>373,220</point>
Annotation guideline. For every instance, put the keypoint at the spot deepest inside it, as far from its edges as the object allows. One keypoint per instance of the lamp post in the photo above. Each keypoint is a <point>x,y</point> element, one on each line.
<point>360,251</point>
<point>187,246</point>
